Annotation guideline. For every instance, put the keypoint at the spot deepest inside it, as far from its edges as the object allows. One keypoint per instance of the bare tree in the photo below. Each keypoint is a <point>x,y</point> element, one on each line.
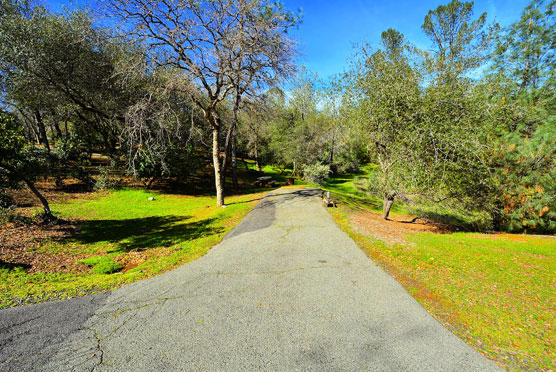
<point>221,46</point>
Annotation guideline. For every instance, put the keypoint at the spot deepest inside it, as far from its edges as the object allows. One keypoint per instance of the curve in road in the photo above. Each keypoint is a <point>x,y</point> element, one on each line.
<point>286,290</point>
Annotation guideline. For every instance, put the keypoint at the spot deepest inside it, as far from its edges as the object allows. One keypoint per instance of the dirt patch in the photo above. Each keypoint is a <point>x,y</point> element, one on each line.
<point>394,231</point>
<point>19,244</point>
<point>132,259</point>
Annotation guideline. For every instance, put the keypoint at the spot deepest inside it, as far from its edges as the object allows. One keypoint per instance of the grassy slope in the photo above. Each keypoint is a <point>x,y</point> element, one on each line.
<point>497,291</point>
<point>167,232</point>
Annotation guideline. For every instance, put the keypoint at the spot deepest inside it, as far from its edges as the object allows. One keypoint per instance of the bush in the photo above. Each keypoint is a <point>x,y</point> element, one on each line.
<point>6,201</point>
<point>83,175</point>
<point>317,173</point>
<point>105,181</point>
<point>8,215</point>
<point>102,264</point>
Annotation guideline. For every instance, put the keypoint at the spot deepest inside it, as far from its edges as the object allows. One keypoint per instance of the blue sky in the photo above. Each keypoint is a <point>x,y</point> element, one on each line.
<point>330,28</point>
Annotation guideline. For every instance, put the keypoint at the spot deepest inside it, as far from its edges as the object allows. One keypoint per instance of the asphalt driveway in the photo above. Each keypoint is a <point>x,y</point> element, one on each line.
<point>286,290</point>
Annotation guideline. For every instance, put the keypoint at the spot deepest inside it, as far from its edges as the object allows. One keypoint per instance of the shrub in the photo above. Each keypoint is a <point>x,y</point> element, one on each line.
<point>6,201</point>
<point>317,173</point>
<point>105,181</point>
<point>8,215</point>
<point>83,175</point>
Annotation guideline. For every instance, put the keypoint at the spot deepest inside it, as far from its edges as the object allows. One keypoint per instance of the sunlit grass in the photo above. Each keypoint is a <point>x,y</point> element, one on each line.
<point>497,291</point>
<point>168,231</point>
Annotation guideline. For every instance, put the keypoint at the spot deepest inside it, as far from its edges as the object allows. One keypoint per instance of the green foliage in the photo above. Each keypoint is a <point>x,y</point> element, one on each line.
<point>298,133</point>
<point>6,201</point>
<point>522,106</point>
<point>61,65</point>
<point>382,100</point>
<point>316,173</point>
<point>527,179</point>
<point>12,144</point>
<point>105,180</point>
<point>525,51</point>
<point>19,161</point>
<point>460,43</point>
<point>8,214</point>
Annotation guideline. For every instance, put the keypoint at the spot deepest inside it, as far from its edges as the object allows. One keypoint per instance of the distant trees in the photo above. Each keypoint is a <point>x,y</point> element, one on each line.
<point>223,48</point>
<point>20,162</point>
<point>469,124</point>
<point>384,94</point>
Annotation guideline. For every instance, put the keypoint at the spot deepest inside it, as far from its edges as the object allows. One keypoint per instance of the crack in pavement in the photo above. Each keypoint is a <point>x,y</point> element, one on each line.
<point>99,348</point>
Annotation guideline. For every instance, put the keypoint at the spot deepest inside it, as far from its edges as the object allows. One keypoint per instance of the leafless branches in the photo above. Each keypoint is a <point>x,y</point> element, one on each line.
<point>223,47</point>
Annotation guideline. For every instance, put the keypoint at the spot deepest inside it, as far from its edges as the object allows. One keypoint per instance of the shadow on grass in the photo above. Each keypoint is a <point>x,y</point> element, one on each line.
<point>144,233</point>
<point>11,266</point>
<point>357,203</point>
<point>457,223</point>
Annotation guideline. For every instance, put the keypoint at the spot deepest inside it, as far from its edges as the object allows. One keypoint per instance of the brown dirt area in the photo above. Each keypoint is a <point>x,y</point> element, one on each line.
<point>19,241</point>
<point>394,231</point>
<point>18,244</point>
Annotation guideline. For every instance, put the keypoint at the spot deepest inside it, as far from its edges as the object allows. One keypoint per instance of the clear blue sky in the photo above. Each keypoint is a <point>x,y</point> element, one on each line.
<point>331,27</point>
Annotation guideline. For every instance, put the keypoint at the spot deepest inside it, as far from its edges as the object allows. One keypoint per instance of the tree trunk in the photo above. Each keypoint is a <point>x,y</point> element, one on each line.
<point>387,204</point>
<point>229,150</point>
<point>496,215</point>
<point>234,164</point>
<point>56,125</point>
<point>46,207</point>
<point>42,130</point>
<point>332,149</point>
<point>217,167</point>
<point>257,163</point>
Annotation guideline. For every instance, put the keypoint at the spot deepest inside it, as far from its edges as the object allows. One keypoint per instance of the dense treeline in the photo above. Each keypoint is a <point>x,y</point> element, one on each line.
<point>467,125</point>
<point>148,94</point>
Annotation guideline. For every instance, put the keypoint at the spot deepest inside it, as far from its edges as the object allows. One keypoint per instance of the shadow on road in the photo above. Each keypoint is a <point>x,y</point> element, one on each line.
<point>264,214</point>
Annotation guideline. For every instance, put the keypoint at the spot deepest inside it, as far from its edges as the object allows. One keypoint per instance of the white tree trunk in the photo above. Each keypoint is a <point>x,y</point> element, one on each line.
<point>217,169</point>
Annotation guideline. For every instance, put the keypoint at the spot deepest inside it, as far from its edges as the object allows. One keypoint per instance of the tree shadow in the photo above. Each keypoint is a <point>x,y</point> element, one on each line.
<point>456,223</point>
<point>354,202</point>
<point>139,234</point>
<point>246,201</point>
<point>11,266</point>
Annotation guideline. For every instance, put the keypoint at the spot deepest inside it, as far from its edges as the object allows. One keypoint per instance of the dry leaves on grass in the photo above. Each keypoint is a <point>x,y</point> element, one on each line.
<point>19,242</point>
<point>393,231</point>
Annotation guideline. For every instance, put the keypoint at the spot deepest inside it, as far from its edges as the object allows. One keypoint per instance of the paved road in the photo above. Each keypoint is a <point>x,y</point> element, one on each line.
<point>286,290</point>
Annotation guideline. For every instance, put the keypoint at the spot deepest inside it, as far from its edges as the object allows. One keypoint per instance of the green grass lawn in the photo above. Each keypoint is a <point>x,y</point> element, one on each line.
<point>118,225</point>
<point>496,291</point>
<point>349,190</point>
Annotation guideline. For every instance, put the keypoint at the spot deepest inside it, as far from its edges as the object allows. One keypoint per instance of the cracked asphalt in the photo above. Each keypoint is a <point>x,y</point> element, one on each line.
<point>286,290</point>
